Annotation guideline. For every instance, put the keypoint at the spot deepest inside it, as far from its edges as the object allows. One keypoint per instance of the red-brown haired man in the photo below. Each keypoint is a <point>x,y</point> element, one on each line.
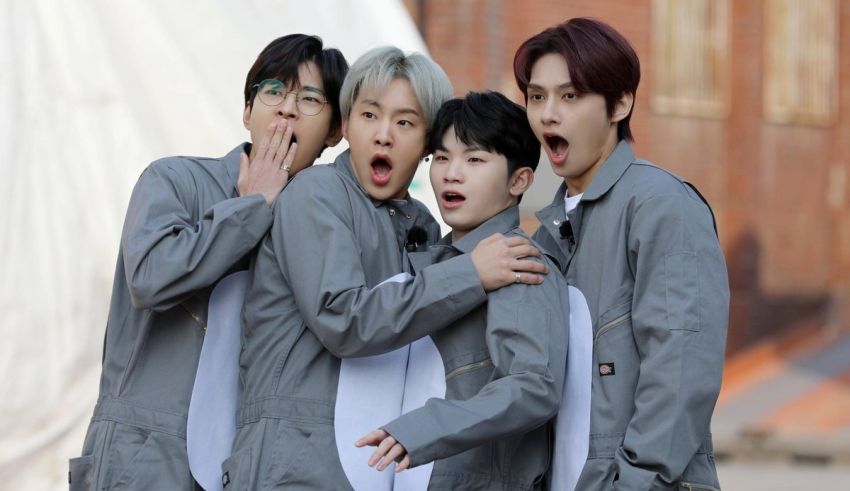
<point>639,246</point>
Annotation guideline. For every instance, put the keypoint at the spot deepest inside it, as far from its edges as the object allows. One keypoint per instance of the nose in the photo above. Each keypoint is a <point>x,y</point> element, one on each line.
<point>549,113</point>
<point>383,134</point>
<point>454,171</point>
<point>288,109</point>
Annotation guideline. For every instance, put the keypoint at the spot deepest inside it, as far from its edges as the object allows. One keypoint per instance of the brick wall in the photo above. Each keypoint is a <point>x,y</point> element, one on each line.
<point>781,192</point>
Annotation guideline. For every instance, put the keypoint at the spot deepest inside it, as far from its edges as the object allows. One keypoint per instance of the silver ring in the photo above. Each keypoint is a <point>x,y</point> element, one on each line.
<point>285,167</point>
<point>516,277</point>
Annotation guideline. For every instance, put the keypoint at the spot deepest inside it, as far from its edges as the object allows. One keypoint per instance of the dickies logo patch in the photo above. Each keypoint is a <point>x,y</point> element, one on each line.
<point>606,369</point>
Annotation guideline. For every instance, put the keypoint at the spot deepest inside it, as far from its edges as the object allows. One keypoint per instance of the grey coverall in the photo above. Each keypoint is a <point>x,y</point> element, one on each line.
<point>504,365</point>
<point>643,249</point>
<point>186,227</point>
<point>313,299</point>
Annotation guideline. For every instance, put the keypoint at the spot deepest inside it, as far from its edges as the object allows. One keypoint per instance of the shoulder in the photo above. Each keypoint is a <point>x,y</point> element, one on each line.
<point>180,170</point>
<point>649,185</point>
<point>183,164</point>
<point>317,178</point>
<point>648,179</point>
<point>318,186</point>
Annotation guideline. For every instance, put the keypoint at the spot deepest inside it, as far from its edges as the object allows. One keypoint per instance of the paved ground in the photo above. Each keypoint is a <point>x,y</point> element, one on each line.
<point>783,419</point>
<point>782,476</point>
<point>787,399</point>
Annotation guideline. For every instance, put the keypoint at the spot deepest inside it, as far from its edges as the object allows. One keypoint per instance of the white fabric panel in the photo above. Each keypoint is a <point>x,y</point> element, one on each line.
<point>374,390</point>
<point>572,428</point>
<point>211,424</point>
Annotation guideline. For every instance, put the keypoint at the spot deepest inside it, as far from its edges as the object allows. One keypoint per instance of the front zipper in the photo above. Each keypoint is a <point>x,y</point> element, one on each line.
<point>698,487</point>
<point>198,320</point>
<point>612,324</point>
<point>466,368</point>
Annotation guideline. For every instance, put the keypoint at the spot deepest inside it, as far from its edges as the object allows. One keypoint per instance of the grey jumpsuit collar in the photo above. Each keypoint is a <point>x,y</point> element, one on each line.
<point>506,220</point>
<point>553,215</point>
<point>610,172</point>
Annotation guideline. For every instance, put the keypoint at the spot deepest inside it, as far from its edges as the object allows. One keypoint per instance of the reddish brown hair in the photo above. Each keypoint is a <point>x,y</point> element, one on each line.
<point>600,61</point>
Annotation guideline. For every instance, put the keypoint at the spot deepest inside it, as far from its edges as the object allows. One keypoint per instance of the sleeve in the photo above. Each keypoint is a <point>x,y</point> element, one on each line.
<point>321,258</point>
<point>679,319</point>
<point>527,338</point>
<point>167,254</point>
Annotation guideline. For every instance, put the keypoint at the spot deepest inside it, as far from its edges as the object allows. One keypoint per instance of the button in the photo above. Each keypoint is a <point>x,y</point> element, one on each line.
<point>392,212</point>
<point>556,222</point>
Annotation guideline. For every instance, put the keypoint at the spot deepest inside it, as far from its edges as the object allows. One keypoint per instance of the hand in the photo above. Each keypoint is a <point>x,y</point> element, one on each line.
<point>497,261</point>
<point>268,173</point>
<point>388,450</point>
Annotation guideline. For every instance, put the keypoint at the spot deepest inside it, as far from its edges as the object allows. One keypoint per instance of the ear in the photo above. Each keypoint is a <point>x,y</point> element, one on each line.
<point>344,127</point>
<point>622,107</point>
<point>334,136</point>
<point>520,181</point>
<point>246,117</point>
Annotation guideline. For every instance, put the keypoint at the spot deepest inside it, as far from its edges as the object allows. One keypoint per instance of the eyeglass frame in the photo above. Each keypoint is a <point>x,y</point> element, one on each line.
<point>257,87</point>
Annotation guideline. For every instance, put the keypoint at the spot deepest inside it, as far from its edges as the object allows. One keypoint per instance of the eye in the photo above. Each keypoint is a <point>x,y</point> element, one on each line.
<point>309,98</point>
<point>405,123</point>
<point>475,160</point>
<point>272,91</point>
<point>369,115</point>
<point>570,96</point>
<point>536,97</point>
<point>440,158</point>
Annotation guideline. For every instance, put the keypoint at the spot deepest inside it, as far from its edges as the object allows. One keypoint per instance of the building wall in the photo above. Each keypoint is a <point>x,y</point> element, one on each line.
<point>781,191</point>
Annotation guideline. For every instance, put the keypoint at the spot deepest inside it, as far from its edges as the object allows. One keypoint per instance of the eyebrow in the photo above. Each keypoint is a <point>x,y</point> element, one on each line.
<point>312,89</point>
<point>565,85</point>
<point>404,110</point>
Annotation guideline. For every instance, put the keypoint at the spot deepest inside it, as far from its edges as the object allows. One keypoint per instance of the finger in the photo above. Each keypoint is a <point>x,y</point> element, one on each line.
<point>516,240</point>
<point>264,144</point>
<point>371,438</point>
<point>275,141</point>
<point>290,158</point>
<point>375,457</point>
<point>404,464</point>
<point>283,149</point>
<point>524,250</point>
<point>528,266</point>
<point>382,450</point>
<point>395,453</point>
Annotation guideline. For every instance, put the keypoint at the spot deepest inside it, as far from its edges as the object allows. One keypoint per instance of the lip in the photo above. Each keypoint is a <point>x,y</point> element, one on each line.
<point>450,205</point>
<point>556,159</point>
<point>379,178</point>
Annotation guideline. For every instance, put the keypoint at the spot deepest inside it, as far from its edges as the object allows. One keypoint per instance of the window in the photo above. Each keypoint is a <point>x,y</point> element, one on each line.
<point>800,52</point>
<point>691,51</point>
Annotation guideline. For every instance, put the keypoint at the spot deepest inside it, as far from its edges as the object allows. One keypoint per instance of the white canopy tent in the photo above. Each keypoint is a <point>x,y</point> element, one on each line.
<point>92,91</point>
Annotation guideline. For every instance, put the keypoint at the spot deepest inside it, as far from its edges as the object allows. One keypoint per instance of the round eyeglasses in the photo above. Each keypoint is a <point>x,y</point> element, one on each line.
<point>308,100</point>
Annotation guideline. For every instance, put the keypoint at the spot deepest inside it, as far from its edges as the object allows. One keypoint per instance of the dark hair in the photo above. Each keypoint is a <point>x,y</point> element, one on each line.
<point>599,58</point>
<point>491,121</point>
<point>281,59</point>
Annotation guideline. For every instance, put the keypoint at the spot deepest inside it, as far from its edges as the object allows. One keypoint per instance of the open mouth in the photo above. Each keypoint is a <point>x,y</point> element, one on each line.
<point>381,169</point>
<point>452,199</point>
<point>558,148</point>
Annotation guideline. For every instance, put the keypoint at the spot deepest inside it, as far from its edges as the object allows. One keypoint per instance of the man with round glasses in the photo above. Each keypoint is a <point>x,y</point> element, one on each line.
<point>190,222</point>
